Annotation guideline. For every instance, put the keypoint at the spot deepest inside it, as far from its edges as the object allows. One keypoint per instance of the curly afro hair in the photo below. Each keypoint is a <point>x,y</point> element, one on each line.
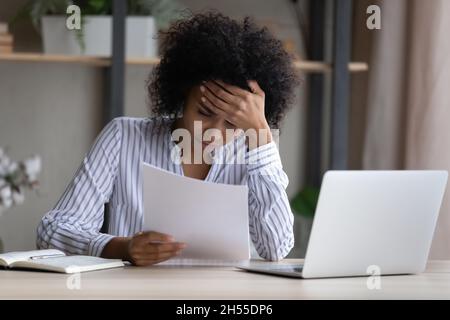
<point>209,46</point>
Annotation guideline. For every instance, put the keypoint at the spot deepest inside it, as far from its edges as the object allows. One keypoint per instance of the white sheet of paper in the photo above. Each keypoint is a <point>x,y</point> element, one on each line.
<point>211,218</point>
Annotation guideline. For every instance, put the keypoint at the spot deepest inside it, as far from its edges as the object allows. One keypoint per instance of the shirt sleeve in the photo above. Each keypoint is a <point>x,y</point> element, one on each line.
<point>270,216</point>
<point>73,225</point>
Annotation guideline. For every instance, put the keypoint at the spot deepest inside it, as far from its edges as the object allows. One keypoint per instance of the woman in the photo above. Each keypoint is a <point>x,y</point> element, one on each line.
<point>216,72</point>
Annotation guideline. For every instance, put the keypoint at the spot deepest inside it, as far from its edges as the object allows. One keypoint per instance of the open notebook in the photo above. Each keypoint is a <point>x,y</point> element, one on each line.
<point>56,261</point>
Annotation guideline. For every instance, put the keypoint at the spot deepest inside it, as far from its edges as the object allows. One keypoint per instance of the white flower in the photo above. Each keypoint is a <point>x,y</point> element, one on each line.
<point>32,167</point>
<point>18,197</point>
<point>4,164</point>
<point>6,197</point>
<point>13,166</point>
<point>5,192</point>
<point>14,177</point>
<point>4,161</point>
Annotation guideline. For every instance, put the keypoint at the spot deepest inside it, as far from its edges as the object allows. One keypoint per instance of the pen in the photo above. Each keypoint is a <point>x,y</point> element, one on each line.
<point>47,256</point>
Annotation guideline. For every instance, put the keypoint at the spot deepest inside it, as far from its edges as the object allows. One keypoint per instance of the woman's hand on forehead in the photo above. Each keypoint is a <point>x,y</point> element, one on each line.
<point>243,109</point>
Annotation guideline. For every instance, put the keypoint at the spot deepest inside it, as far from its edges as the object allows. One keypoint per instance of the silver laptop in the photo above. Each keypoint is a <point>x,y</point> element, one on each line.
<point>369,222</point>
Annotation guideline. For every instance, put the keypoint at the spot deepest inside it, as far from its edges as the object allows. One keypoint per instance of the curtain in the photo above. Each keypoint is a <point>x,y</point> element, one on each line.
<point>408,95</point>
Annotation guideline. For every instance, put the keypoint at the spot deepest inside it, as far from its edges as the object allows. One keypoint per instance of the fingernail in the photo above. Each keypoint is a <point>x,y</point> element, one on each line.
<point>203,99</point>
<point>202,88</point>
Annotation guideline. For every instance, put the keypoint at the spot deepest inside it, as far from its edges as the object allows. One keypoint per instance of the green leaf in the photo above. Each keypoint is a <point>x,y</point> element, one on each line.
<point>305,202</point>
<point>164,11</point>
<point>98,7</point>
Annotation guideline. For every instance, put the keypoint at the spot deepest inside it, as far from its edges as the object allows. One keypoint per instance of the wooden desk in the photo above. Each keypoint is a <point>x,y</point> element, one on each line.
<point>168,282</point>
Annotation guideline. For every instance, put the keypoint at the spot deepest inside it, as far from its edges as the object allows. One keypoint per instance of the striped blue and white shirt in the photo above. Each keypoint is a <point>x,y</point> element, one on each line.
<point>110,173</point>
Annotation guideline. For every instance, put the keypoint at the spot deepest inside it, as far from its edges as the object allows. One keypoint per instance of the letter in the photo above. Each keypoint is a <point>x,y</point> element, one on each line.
<point>74,281</point>
<point>217,135</point>
<point>183,146</point>
<point>374,280</point>
<point>74,20</point>
<point>198,139</point>
<point>252,138</point>
<point>206,311</point>
<point>187,310</point>
<point>373,21</point>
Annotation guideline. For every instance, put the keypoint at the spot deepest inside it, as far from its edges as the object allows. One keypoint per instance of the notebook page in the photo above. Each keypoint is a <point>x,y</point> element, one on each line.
<point>70,264</point>
<point>12,257</point>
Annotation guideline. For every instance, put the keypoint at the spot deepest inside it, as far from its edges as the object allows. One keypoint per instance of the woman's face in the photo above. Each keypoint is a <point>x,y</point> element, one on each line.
<point>195,113</point>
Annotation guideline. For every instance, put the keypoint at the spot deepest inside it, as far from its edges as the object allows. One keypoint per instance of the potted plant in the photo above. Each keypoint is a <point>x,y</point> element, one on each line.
<point>144,18</point>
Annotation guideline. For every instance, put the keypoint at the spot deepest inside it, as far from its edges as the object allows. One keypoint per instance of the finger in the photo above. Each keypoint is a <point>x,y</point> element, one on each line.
<point>157,256</point>
<point>153,236</point>
<point>149,248</point>
<point>229,115</point>
<point>233,89</point>
<point>255,87</point>
<point>162,260</point>
<point>206,102</point>
<point>153,262</point>
<point>221,104</point>
<point>219,92</point>
<point>153,248</point>
<point>168,247</point>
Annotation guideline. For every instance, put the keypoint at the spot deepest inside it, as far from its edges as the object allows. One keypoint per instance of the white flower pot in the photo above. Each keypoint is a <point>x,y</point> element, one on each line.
<point>140,36</point>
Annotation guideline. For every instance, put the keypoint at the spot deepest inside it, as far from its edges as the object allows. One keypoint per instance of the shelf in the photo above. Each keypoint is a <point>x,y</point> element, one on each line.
<point>38,57</point>
<point>305,66</point>
<point>322,67</point>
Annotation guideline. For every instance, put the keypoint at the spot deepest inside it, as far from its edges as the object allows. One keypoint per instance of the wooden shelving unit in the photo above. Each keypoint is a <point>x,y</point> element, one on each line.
<point>305,66</point>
